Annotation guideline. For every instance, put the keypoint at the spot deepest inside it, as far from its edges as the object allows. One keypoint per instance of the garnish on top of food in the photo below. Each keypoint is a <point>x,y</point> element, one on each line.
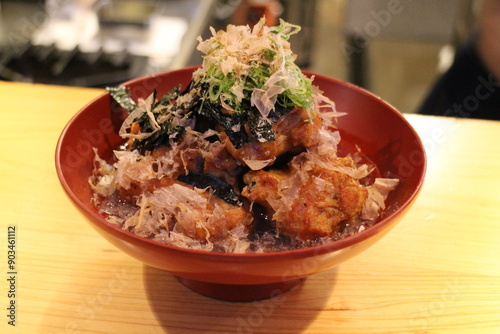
<point>243,159</point>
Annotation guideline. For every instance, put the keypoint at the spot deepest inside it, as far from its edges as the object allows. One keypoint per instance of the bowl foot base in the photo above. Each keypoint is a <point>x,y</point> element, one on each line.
<point>240,293</point>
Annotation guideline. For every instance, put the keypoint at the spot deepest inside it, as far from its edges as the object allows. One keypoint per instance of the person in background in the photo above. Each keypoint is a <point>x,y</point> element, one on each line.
<point>250,12</point>
<point>471,86</point>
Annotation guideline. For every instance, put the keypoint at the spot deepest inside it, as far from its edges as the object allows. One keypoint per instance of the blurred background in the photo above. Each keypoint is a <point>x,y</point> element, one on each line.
<point>394,48</point>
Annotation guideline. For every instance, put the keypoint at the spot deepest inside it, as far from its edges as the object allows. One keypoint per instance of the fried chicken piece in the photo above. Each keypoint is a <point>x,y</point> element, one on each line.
<point>213,222</point>
<point>308,203</point>
<point>182,208</point>
<point>160,168</point>
<point>218,162</point>
<point>140,174</point>
<point>294,132</point>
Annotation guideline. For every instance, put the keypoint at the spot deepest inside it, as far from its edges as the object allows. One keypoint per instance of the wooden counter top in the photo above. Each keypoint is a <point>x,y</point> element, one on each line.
<point>438,271</point>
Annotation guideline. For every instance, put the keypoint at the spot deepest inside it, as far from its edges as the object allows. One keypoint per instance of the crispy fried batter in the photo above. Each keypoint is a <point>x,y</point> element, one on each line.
<point>218,162</point>
<point>215,221</point>
<point>293,132</point>
<point>307,203</point>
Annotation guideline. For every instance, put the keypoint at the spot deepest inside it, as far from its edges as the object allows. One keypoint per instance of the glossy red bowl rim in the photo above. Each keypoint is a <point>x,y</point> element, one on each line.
<point>301,252</point>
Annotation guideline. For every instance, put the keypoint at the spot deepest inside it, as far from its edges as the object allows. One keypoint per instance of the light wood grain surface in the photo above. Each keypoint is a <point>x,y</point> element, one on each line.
<point>438,271</point>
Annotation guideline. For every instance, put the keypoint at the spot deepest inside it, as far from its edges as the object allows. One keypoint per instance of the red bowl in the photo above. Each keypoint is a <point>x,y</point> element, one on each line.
<point>376,127</point>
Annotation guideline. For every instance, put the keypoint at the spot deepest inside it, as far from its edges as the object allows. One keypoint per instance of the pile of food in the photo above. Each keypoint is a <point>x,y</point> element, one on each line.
<point>243,159</point>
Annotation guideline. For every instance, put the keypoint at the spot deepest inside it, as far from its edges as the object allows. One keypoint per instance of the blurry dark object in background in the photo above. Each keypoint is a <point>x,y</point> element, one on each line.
<point>407,21</point>
<point>471,86</point>
<point>249,12</point>
<point>98,43</point>
<point>466,90</point>
<point>74,68</point>
<point>299,12</point>
<point>302,13</point>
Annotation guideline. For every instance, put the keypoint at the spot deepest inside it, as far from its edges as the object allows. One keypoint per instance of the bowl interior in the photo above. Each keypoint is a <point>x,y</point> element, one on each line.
<point>383,135</point>
<point>380,131</point>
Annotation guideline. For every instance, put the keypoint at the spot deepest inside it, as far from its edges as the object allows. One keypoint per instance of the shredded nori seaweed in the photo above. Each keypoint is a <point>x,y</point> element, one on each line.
<point>220,187</point>
<point>240,127</point>
<point>122,96</point>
